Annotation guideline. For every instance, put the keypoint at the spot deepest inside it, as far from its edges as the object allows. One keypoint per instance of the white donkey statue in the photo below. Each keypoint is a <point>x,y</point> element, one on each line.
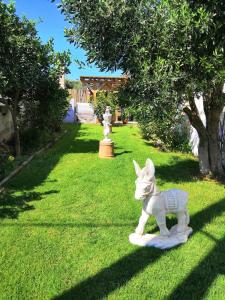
<point>159,204</point>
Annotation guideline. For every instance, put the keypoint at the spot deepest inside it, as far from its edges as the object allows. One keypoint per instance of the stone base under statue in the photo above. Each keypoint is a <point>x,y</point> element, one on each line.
<point>106,149</point>
<point>157,241</point>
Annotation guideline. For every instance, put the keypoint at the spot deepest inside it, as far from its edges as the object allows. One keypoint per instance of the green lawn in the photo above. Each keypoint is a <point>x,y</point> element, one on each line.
<point>65,222</point>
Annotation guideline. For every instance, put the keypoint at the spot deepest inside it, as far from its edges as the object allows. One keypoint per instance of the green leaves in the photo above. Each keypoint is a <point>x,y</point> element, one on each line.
<point>105,99</point>
<point>29,73</point>
<point>172,50</point>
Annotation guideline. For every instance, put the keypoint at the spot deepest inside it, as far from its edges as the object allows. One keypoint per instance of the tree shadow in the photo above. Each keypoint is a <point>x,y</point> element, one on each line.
<point>75,141</point>
<point>84,146</point>
<point>69,225</point>
<point>197,284</point>
<point>38,170</point>
<point>12,205</point>
<point>178,170</point>
<point>119,273</point>
<point>121,152</point>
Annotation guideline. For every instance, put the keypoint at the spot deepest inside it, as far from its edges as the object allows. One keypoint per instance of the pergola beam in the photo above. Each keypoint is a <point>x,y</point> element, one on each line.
<point>96,83</point>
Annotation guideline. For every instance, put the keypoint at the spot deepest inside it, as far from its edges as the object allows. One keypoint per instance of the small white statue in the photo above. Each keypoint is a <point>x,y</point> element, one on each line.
<point>107,118</point>
<point>159,204</point>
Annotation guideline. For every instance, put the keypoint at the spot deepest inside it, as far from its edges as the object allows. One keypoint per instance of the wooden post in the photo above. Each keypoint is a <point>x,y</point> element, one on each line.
<point>94,96</point>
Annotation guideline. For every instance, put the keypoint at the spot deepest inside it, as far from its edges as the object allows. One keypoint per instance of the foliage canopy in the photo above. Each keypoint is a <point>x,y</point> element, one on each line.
<point>29,74</point>
<point>172,51</point>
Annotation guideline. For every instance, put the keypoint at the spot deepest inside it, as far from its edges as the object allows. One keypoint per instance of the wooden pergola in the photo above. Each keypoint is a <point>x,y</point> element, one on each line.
<point>97,83</point>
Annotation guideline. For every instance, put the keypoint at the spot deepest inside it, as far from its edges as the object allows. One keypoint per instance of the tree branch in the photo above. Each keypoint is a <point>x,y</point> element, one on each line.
<point>195,121</point>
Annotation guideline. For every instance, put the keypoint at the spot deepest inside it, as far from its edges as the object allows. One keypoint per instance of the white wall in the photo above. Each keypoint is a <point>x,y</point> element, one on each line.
<point>194,138</point>
<point>6,126</point>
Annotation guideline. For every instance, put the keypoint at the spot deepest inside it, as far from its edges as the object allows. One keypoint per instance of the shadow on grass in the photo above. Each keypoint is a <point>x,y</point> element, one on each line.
<point>123,151</point>
<point>178,170</point>
<point>38,170</point>
<point>119,273</point>
<point>75,141</point>
<point>11,205</point>
<point>196,285</point>
<point>68,225</point>
<point>84,146</point>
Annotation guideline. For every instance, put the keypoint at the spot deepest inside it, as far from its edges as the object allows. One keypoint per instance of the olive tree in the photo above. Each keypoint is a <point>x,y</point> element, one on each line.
<point>172,51</point>
<point>25,63</point>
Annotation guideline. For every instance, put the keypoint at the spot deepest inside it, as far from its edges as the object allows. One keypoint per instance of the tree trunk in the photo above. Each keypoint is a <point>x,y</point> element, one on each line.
<point>210,160</point>
<point>215,158</point>
<point>16,134</point>
<point>203,147</point>
<point>17,146</point>
<point>203,155</point>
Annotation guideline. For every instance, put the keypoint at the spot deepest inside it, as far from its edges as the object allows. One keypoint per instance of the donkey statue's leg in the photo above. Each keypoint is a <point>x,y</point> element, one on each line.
<point>182,221</point>
<point>142,221</point>
<point>161,221</point>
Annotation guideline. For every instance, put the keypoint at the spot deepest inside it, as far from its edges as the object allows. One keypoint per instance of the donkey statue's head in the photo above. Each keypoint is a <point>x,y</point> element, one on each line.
<point>145,183</point>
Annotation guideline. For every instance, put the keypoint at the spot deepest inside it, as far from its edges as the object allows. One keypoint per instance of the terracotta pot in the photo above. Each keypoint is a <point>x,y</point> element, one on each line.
<point>106,149</point>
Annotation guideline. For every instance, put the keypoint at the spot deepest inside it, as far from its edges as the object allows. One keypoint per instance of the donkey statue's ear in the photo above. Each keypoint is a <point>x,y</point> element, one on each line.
<point>150,169</point>
<point>137,168</point>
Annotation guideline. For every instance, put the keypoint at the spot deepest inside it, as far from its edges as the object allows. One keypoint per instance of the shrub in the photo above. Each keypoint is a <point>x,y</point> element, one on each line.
<point>168,130</point>
<point>6,161</point>
<point>105,99</point>
<point>29,75</point>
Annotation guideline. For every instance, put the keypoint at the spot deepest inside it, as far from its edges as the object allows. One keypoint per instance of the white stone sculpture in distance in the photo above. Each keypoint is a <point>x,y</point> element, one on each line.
<point>159,204</point>
<point>107,119</point>
<point>106,146</point>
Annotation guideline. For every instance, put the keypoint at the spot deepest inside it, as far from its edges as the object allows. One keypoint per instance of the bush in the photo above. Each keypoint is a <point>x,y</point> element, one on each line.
<point>29,75</point>
<point>6,160</point>
<point>34,138</point>
<point>44,116</point>
<point>167,130</point>
<point>105,99</point>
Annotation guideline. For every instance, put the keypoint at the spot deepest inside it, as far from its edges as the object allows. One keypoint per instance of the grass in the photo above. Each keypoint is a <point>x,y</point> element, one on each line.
<point>66,218</point>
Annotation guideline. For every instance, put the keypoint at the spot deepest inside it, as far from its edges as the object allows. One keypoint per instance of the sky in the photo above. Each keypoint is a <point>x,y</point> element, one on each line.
<point>52,26</point>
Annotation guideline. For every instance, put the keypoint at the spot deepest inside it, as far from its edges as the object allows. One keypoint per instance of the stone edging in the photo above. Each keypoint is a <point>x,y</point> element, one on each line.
<point>26,162</point>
